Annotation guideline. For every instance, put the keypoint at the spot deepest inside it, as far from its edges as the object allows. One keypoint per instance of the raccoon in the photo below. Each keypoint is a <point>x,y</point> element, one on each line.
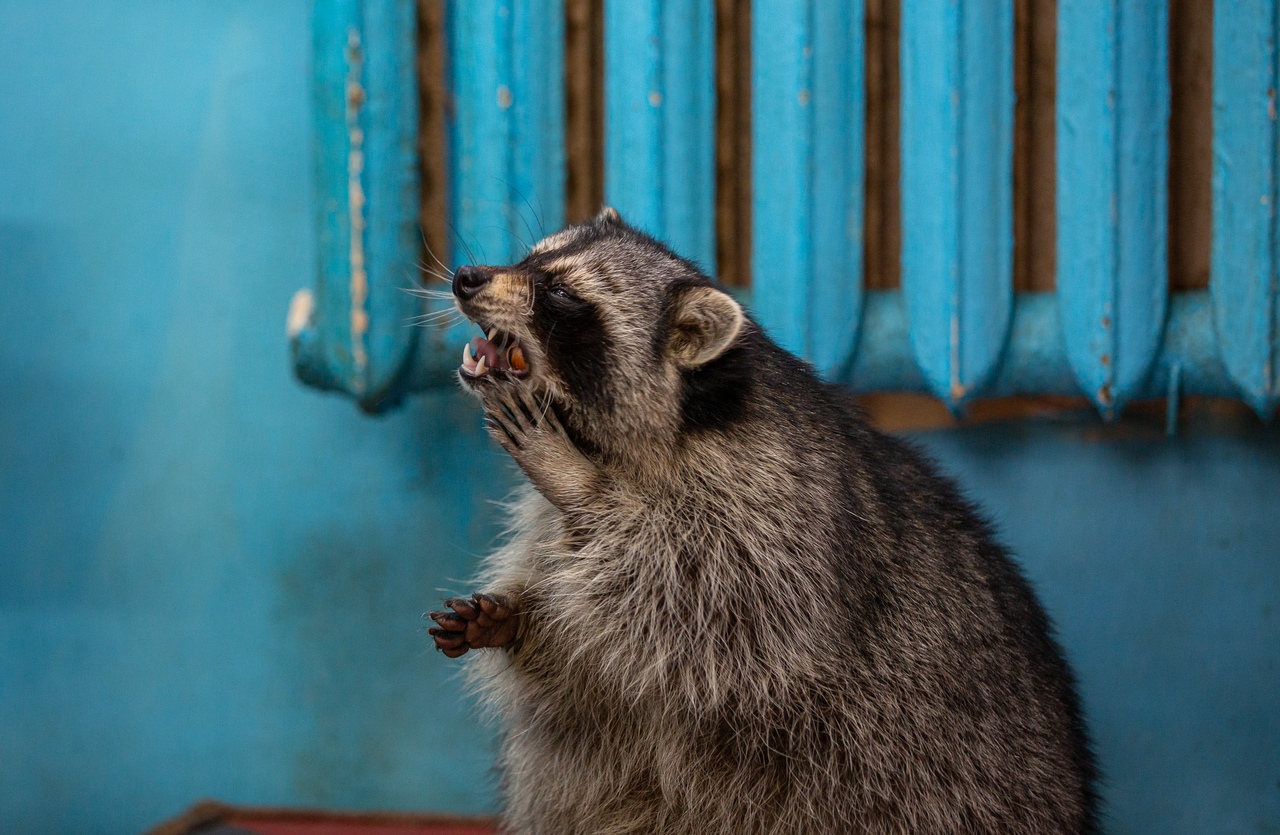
<point>728,605</point>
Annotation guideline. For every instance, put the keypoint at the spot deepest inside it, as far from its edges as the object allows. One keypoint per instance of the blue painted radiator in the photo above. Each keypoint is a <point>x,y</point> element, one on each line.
<point>1110,330</point>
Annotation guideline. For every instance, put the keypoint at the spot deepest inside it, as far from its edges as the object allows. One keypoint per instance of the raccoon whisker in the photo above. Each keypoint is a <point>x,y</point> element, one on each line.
<point>430,270</point>
<point>434,273</point>
<point>427,247</point>
<point>440,314</point>
<point>462,241</point>
<point>516,237</point>
<point>427,294</point>
<point>442,318</point>
<point>441,325</point>
<point>546,405</point>
<point>536,215</point>
<point>523,219</point>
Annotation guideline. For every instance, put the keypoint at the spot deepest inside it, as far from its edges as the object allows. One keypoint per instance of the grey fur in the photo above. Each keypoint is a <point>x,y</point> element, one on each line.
<point>740,609</point>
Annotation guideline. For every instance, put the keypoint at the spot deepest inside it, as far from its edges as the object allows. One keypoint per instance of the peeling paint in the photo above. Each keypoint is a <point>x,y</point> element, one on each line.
<point>359,287</point>
<point>301,309</point>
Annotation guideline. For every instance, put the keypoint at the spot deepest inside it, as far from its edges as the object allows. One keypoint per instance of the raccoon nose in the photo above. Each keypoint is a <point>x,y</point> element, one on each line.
<point>468,280</point>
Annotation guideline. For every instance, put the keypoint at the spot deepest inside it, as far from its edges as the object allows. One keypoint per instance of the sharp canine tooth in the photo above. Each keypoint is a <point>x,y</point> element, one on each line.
<point>480,367</point>
<point>492,331</point>
<point>466,353</point>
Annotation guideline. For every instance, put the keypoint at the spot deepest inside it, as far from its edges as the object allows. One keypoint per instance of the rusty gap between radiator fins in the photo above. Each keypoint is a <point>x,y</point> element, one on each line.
<point>433,149</point>
<point>733,142</point>
<point>583,108</point>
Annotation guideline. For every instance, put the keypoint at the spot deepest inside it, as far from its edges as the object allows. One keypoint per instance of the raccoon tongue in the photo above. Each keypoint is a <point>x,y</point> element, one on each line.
<point>482,349</point>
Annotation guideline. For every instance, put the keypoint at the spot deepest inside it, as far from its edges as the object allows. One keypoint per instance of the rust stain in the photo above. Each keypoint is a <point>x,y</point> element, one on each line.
<point>1105,359</point>
<point>957,388</point>
<point>359,286</point>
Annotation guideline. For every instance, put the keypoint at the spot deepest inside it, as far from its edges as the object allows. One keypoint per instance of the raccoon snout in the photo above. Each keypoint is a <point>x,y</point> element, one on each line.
<point>469,280</point>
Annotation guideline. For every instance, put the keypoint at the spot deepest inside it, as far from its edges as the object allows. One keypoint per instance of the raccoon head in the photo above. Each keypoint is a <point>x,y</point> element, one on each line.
<point>602,322</point>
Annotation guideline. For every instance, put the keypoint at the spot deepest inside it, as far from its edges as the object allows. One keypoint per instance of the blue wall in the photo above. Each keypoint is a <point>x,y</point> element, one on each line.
<point>211,578</point>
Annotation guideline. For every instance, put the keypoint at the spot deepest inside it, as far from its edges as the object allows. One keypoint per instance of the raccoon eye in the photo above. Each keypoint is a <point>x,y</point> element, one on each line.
<point>558,295</point>
<point>564,295</point>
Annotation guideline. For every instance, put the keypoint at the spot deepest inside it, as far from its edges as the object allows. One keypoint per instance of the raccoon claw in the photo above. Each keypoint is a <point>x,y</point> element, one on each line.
<point>516,414</point>
<point>484,620</point>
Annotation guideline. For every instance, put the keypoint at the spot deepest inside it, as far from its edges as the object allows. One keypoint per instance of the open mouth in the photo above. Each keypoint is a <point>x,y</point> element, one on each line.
<point>496,351</point>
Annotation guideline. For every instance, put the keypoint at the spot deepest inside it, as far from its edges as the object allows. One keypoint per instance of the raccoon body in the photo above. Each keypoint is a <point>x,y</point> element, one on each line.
<point>727,604</point>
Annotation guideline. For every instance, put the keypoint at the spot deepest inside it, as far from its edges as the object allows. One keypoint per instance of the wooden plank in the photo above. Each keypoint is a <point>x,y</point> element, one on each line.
<point>633,145</point>
<point>537,174</point>
<point>348,334</point>
<point>688,111</point>
<point>319,327</point>
<point>808,188</point>
<point>390,148</point>
<point>506,63</point>
<point>957,190</point>
<point>1113,112</point>
<point>480,69</point>
<point>1246,156</point>
<point>781,73</point>
<point>837,184</point>
<point>659,120</point>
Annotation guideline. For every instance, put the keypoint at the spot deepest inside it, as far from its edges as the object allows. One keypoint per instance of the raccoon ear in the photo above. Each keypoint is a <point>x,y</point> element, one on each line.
<point>704,322</point>
<point>609,215</point>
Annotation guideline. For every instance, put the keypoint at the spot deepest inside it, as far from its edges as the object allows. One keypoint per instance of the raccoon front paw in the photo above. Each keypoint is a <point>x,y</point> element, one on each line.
<point>531,432</point>
<point>519,422</point>
<point>485,620</point>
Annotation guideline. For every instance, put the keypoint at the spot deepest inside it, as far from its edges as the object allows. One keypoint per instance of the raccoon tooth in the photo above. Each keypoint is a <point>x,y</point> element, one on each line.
<point>489,335</point>
<point>480,367</point>
<point>466,353</point>
<point>515,358</point>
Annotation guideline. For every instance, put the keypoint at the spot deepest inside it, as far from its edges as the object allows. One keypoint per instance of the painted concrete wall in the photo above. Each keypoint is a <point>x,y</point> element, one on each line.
<point>211,578</point>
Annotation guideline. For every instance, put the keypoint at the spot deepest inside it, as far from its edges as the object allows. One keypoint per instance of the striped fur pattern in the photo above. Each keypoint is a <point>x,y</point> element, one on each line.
<point>738,608</point>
